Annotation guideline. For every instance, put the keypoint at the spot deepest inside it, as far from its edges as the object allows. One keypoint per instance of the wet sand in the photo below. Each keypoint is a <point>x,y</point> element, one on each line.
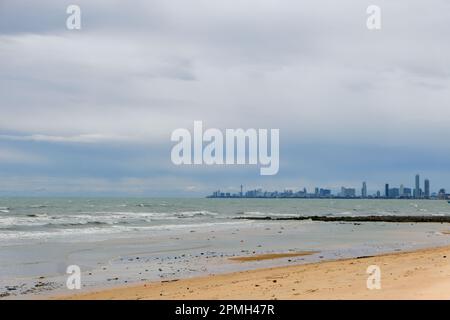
<point>271,256</point>
<point>421,274</point>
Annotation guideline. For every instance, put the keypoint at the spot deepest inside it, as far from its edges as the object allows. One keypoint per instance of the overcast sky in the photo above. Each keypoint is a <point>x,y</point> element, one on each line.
<point>91,111</point>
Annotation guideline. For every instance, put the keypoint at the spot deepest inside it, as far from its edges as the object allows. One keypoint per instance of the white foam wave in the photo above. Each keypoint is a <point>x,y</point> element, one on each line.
<point>269,214</point>
<point>80,233</point>
<point>100,217</point>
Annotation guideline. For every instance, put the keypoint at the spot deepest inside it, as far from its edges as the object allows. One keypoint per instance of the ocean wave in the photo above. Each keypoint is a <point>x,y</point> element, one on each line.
<point>193,225</point>
<point>154,215</point>
<point>80,233</point>
<point>37,206</point>
<point>74,224</point>
<point>132,216</point>
<point>37,215</point>
<point>343,213</point>
<point>54,226</point>
<point>190,214</point>
<point>43,220</point>
<point>268,214</point>
<point>27,235</point>
<point>148,205</point>
<point>100,217</point>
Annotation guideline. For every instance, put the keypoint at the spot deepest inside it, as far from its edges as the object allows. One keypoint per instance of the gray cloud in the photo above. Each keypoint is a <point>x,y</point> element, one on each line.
<point>138,70</point>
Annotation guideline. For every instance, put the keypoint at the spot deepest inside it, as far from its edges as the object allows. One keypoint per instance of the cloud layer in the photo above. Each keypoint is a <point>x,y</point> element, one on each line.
<point>136,72</point>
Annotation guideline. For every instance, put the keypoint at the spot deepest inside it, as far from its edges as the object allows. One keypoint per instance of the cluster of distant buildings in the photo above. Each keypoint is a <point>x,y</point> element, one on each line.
<point>345,193</point>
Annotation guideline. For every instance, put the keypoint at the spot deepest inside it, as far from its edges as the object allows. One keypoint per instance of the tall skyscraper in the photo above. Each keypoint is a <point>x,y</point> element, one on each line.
<point>364,190</point>
<point>402,190</point>
<point>386,190</point>
<point>417,189</point>
<point>242,193</point>
<point>427,188</point>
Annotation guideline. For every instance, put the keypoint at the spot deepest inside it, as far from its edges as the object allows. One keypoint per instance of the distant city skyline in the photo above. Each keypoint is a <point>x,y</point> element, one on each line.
<point>401,192</point>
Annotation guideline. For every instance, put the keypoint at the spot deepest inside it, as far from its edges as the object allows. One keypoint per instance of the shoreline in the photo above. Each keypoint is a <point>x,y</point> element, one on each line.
<point>418,274</point>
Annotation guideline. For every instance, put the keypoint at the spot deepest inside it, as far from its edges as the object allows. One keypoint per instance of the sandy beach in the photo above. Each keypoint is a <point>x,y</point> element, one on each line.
<point>421,274</point>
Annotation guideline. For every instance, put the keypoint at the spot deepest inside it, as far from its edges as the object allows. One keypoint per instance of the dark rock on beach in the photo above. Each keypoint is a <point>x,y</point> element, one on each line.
<point>409,219</point>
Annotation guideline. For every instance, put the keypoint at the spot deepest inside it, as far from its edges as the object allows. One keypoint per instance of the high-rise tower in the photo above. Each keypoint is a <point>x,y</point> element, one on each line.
<point>417,188</point>
<point>427,188</point>
<point>364,190</point>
